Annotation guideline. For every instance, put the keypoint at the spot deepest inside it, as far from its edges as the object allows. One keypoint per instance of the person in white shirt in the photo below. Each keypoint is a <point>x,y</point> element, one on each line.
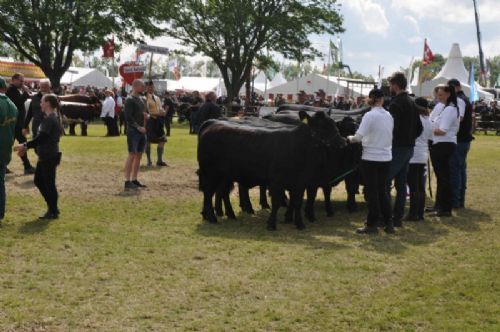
<point>416,173</point>
<point>445,124</point>
<point>108,112</point>
<point>375,135</point>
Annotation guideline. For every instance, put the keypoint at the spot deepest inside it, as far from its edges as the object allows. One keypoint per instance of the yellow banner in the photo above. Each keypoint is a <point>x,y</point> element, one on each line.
<point>7,69</point>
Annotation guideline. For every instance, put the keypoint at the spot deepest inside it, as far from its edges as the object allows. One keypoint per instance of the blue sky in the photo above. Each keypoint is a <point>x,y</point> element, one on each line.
<point>390,32</point>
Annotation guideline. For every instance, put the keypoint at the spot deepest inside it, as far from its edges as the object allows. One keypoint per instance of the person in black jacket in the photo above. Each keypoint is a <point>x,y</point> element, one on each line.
<point>16,84</point>
<point>46,144</point>
<point>458,163</point>
<point>35,110</point>
<point>209,110</point>
<point>407,127</point>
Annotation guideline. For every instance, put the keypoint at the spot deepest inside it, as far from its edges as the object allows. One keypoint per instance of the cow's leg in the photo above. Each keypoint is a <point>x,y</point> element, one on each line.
<point>72,129</point>
<point>298,196</point>
<point>218,204</point>
<point>275,205</point>
<point>327,192</point>
<point>284,199</point>
<point>263,197</point>
<point>289,211</point>
<point>208,209</point>
<point>225,190</point>
<point>245,203</point>
<point>84,126</point>
<point>309,209</point>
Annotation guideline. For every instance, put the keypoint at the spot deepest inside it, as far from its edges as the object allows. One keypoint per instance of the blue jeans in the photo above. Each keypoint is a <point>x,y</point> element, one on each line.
<point>398,172</point>
<point>3,168</point>
<point>458,173</point>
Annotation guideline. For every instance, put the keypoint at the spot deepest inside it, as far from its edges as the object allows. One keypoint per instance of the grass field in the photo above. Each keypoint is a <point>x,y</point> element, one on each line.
<point>121,262</point>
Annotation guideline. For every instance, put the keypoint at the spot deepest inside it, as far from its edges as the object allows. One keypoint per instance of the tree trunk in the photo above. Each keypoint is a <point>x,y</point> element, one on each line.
<point>55,79</point>
<point>248,90</point>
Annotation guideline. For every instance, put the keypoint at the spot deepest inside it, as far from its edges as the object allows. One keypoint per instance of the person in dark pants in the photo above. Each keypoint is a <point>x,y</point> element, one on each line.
<point>46,144</point>
<point>108,113</point>
<point>169,105</point>
<point>407,127</point>
<point>458,163</point>
<point>8,118</point>
<point>445,123</point>
<point>35,110</point>
<point>375,135</point>
<point>416,171</point>
<point>17,83</point>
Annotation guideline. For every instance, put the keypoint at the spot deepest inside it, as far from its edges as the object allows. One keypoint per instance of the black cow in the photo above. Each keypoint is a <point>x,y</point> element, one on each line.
<point>287,157</point>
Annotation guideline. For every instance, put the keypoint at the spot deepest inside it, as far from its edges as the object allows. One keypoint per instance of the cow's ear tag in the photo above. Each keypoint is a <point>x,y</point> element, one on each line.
<point>305,120</point>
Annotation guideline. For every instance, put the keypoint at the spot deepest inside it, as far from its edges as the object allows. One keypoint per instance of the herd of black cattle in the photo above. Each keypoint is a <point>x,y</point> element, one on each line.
<point>298,149</point>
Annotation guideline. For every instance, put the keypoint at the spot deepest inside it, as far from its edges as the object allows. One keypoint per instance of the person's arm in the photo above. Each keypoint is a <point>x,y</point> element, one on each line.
<point>447,119</point>
<point>128,111</point>
<point>395,111</point>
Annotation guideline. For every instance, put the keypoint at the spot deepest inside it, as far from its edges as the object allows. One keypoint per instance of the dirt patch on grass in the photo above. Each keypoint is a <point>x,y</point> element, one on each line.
<point>175,182</point>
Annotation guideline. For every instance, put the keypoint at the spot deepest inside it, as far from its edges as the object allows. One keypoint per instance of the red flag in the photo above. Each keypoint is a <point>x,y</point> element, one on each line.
<point>428,56</point>
<point>108,49</point>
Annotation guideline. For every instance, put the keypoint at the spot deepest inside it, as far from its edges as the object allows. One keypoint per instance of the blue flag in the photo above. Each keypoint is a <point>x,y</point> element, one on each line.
<point>474,95</point>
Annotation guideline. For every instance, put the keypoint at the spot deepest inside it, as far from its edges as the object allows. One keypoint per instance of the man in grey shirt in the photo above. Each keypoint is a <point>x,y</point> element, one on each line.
<point>135,116</point>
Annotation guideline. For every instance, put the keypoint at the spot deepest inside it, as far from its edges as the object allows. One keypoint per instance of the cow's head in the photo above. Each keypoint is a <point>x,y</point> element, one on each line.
<point>323,129</point>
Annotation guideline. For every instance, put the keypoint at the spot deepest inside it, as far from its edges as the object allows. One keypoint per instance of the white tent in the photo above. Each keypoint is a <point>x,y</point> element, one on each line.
<point>310,84</point>
<point>77,76</point>
<point>453,68</point>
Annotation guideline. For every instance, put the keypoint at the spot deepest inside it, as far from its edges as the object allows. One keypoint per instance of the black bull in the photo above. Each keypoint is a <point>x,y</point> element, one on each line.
<point>342,165</point>
<point>284,157</point>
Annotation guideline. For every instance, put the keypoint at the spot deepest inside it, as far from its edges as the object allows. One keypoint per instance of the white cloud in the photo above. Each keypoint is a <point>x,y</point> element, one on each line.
<point>371,15</point>
<point>491,48</point>
<point>451,11</point>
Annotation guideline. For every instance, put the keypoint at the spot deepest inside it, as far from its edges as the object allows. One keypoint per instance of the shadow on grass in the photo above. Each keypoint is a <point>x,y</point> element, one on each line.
<point>333,232</point>
<point>36,226</point>
<point>26,182</point>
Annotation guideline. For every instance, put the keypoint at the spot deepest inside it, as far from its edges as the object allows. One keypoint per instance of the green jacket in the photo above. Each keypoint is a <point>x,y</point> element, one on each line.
<point>8,117</point>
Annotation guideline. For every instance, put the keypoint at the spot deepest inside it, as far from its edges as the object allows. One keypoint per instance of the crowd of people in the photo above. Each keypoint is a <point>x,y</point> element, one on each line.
<point>396,145</point>
<point>397,141</point>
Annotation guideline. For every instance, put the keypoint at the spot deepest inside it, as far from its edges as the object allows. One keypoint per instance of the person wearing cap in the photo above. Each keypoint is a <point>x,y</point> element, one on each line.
<point>458,163</point>
<point>8,118</point>
<point>407,127</point>
<point>416,172</point>
<point>375,135</point>
<point>154,126</point>
<point>18,98</point>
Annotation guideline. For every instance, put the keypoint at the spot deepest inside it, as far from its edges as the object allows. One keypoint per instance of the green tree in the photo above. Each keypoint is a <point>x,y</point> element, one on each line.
<point>234,32</point>
<point>47,32</point>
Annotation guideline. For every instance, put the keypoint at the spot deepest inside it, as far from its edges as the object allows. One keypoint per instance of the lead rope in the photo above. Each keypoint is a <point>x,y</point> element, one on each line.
<point>343,175</point>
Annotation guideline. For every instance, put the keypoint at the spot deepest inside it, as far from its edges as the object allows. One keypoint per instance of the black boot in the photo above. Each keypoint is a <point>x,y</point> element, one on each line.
<point>414,204</point>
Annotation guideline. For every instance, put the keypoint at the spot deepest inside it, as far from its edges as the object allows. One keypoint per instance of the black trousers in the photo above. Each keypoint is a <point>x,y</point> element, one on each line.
<point>375,175</point>
<point>416,182</point>
<point>441,154</point>
<point>45,181</point>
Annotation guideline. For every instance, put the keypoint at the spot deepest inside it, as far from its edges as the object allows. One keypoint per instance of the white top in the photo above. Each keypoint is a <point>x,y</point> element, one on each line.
<point>108,107</point>
<point>461,107</point>
<point>375,133</point>
<point>446,119</point>
<point>119,101</point>
<point>421,150</point>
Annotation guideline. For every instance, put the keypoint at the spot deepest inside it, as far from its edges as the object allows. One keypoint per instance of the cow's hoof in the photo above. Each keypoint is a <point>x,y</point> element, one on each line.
<point>271,227</point>
<point>219,213</point>
<point>248,211</point>
<point>231,216</point>
<point>301,226</point>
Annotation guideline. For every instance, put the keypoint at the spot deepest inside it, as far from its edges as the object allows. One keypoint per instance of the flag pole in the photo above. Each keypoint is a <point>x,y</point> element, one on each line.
<point>328,68</point>
<point>421,71</point>
<point>150,65</point>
